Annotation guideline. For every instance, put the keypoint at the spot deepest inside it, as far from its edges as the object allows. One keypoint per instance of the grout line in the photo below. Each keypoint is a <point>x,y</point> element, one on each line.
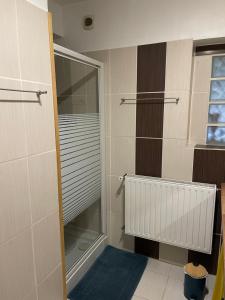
<point>25,81</point>
<point>50,273</point>
<point>29,227</point>
<point>27,156</point>
<point>164,292</point>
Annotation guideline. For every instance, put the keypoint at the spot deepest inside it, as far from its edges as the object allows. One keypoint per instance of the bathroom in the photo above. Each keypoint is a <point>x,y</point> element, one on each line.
<point>103,103</point>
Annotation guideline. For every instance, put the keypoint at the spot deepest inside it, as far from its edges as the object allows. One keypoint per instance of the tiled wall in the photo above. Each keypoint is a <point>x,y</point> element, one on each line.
<point>120,81</point>
<point>152,139</point>
<point>30,257</point>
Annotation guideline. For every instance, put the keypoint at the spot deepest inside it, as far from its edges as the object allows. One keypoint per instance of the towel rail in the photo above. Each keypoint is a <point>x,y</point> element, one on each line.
<point>176,100</point>
<point>38,93</point>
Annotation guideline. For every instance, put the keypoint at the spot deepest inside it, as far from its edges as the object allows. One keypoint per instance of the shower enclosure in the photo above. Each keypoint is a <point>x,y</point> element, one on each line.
<point>81,136</point>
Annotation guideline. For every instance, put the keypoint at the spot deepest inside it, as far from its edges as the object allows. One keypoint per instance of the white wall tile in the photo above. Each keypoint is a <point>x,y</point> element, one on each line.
<point>176,116</point>
<point>122,155</point>
<point>47,246</point>
<point>14,200</point>
<point>9,59</point>
<point>43,185</point>
<point>27,129</point>
<point>17,271</point>
<point>33,42</point>
<point>12,122</point>
<point>202,73</point>
<point>177,160</point>
<point>179,56</point>
<point>39,119</point>
<point>117,237</point>
<point>173,254</point>
<point>123,66</point>
<point>123,117</point>
<point>108,155</point>
<point>51,288</point>
<point>117,191</point>
<point>104,57</point>
<point>199,116</point>
<point>31,296</point>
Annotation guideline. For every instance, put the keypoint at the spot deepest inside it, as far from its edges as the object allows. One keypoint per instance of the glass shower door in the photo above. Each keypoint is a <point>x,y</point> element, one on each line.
<point>79,127</point>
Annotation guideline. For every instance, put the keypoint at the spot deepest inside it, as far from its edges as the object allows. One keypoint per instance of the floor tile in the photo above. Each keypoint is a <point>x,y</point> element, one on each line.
<point>174,290</point>
<point>159,267</point>
<point>176,273</point>
<point>210,281</point>
<point>138,298</point>
<point>151,286</point>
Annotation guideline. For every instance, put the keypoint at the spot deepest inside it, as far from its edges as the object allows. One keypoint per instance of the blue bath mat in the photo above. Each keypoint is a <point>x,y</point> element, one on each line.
<point>114,276</point>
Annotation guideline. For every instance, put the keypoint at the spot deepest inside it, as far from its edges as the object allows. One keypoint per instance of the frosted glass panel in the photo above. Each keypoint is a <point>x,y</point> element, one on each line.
<point>217,91</point>
<point>216,135</point>
<point>216,113</point>
<point>218,66</point>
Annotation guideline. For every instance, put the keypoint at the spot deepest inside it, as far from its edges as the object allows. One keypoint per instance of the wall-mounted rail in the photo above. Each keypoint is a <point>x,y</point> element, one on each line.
<point>38,93</point>
<point>172,100</point>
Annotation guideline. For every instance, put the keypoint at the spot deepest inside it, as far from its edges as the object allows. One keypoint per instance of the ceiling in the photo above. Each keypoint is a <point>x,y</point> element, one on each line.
<point>66,2</point>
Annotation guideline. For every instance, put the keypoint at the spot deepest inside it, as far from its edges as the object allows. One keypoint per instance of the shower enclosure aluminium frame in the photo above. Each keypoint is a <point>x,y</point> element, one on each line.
<point>80,268</point>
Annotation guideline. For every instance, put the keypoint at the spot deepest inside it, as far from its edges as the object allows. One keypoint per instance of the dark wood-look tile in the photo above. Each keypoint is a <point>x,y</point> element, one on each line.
<point>149,157</point>
<point>209,261</point>
<point>151,65</point>
<point>218,214</point>
<point>209,166</point>
<point>147,247</point>
<point>149,117</point>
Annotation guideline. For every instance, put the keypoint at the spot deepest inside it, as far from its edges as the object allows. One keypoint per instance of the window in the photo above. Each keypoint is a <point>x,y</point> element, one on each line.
<point>216,112</point>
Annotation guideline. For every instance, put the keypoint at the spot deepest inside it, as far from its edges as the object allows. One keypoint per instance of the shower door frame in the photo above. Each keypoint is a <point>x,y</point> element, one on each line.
<point>84,263</point>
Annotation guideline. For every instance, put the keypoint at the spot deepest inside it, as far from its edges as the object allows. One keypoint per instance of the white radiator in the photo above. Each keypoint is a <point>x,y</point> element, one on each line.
<point>175,213</point>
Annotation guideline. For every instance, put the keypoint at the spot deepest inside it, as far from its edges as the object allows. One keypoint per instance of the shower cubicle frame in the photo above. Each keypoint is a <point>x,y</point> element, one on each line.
<point>81,267</point>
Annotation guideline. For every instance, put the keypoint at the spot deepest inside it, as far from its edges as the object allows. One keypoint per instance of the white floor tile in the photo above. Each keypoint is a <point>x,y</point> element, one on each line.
<point>138,298</point>
<point>151,286</point>
<point>162,281</point>
<point>176,273</point>
<point>159,267</point>
<point>210,281</point>
<point>174,290</point>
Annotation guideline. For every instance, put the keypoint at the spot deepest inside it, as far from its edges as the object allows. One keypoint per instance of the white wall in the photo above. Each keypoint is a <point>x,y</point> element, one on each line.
<point>135,22</point>
<point>57,12</point>
<point>43,4</point>
<point>30,255</point>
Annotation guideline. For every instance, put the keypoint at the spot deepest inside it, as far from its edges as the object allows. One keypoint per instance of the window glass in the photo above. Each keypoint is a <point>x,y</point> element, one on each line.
<point>217,91</point>
<point>215,135</point>
<point>218,66</point>
<point>216,113</point>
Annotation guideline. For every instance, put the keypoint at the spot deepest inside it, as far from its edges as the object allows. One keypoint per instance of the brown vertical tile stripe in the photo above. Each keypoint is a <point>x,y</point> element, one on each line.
<point>207,260</point>
<point>148,157</point>
<point>209,167</point>
<point>147,247</point>
<point>151,64</point>
<point>223,216</point>
<point>149,117</point>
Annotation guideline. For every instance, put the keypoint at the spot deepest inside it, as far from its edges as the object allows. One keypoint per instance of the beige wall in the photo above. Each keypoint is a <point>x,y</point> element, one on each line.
<point>177,154</point>
<point>30,257</point>
<point>120,81</point>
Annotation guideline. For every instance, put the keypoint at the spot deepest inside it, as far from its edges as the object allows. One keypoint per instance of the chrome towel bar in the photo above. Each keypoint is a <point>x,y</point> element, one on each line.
<point>176,100</point>
<point>38,93</point>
